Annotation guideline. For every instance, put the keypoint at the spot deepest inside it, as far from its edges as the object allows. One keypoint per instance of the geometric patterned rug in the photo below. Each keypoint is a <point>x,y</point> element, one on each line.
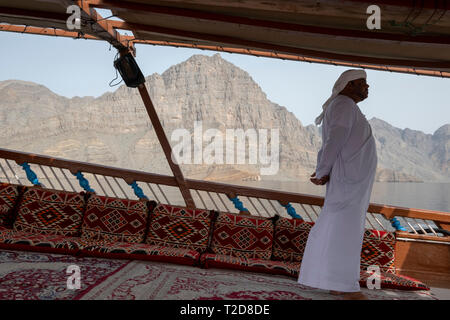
<point>42,276</point>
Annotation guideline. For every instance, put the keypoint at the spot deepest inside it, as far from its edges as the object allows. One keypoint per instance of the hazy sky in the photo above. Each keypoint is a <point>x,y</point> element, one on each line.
<point>71,68</point>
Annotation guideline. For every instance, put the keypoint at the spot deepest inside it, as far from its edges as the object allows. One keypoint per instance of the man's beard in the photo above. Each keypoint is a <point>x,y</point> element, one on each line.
<point>363,95</point>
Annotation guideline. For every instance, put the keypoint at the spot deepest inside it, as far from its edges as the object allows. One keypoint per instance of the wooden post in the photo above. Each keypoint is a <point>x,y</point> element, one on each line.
<point>166,146</point>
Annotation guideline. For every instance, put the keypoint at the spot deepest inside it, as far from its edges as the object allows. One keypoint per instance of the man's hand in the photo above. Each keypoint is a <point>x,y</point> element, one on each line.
<point>320,181</point>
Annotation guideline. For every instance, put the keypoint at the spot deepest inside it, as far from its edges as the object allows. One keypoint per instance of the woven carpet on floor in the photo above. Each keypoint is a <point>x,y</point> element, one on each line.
<point>27,275</point>
<point>153,280</point>
<point>43,276</point>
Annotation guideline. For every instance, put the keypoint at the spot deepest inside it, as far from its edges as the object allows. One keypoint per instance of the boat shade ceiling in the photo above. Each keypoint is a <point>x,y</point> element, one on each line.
<point>414,36</point>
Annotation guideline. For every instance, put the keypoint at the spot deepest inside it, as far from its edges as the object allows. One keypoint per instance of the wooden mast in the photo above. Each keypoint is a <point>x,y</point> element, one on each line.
<point>166,146</point>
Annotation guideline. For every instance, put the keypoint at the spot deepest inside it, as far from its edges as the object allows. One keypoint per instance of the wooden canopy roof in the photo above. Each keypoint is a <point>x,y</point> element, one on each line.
<point>414,35</point>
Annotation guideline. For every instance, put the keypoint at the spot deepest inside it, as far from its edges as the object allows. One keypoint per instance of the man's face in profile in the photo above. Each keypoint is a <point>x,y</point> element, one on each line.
<point>360,88</point>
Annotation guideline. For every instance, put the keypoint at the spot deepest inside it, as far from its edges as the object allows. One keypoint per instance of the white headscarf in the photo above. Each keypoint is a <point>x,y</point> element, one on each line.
<point>340,84</point>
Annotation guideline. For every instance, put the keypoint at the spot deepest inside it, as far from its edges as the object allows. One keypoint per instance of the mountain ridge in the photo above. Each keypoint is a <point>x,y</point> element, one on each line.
<point>114,129</point>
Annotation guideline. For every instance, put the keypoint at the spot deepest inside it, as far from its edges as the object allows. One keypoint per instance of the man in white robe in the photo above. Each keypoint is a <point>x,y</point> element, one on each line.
<point>346,163</point>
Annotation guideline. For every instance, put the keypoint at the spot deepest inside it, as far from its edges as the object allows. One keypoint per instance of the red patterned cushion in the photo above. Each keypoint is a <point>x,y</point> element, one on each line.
<point>50,212</point>
<point>290,239</point>
<point>139,251</point>
<point>211,260</point>
<point>11,237</point>
<point>378,249</point>
<point>9,195</point>
<point>179,227</point>
<point>387,280</point>
<point>114,219</point>
<point>394,281</point>
<point>242,236</point>
<point>291,236</point>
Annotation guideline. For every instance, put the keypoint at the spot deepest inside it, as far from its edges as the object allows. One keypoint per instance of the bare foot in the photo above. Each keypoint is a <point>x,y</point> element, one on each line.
<point>350,295</point>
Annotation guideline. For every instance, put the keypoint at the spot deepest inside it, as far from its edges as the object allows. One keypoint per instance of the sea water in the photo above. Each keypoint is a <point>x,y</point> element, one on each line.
<point>426,195</point>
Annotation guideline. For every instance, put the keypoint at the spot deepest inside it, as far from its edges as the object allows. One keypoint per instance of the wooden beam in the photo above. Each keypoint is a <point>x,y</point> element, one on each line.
<point>46,31</point>
<point>406,236</point>
<point>34,14</point>
<point>99,27</point>
<point>390,211</point>
<point>73,166</point>
<point>284,56</point>
<point>166,146</point>
<point>197,14</point>
<point>425,4</point>
<point>227,40</point>
<point>130,41</point>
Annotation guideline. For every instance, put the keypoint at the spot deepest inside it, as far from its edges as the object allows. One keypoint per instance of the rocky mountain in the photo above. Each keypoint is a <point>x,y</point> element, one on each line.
<point>412,153</point>
<point>201,95</point>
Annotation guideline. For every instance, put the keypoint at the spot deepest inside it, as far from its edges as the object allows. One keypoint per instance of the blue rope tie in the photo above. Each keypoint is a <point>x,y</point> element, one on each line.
<point>30,174</point>
<point>138,191</point>
<point>238,204</point>
<point>84,183</point>
<point>291,211</point>
<point>396,224</point>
